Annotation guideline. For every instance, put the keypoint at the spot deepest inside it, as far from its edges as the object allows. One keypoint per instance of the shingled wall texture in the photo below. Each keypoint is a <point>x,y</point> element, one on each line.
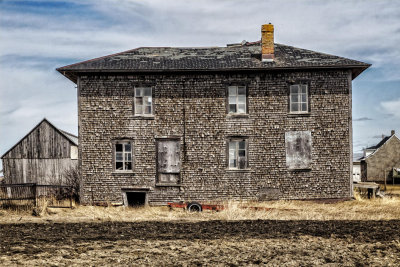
<point>193,107</point>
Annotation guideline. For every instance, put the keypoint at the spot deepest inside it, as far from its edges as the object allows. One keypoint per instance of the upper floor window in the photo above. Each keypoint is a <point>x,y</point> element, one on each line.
<point>237,153</point>
<point>298,98</point>
<point>123,156</point>
<point>237,100</point>
<point>143,101</point>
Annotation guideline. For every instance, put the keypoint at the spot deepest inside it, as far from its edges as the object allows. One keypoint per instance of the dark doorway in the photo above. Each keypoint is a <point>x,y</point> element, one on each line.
<point>136,199</point>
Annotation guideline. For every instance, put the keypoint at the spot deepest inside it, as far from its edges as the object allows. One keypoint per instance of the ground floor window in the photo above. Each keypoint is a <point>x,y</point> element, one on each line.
<point>237,153</point>
<point>123,155</point>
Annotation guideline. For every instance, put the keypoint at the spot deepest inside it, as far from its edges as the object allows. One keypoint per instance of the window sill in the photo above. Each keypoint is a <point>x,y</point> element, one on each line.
<point>238,170</point>
<point>300,170</point>
<point>143,117</point>
<point>305,114</point>
<point>169,185</point>
<point>122,172</point>
<point>237,116</point>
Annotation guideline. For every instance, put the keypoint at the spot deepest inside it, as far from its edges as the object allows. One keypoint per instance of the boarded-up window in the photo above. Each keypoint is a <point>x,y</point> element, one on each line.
<point>298,150</point>
<point>168,161</point>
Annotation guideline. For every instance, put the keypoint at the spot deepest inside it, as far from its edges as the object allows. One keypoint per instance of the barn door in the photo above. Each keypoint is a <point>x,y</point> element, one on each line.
<point>168,161</point>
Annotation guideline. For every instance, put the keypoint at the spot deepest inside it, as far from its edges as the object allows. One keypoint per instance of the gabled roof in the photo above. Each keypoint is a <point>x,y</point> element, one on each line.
<point>72,138</point>
<point>244,56</point>
<point>379,145</point>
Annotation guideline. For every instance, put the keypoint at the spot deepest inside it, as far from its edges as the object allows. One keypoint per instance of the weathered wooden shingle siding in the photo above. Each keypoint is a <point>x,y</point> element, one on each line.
<point>193,107</point>
<point>41,157</point>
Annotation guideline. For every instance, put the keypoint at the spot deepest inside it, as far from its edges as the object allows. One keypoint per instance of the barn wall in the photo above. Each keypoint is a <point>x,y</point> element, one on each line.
<point>385,158</point>
<point>193,108</point>
<point>41,171</point>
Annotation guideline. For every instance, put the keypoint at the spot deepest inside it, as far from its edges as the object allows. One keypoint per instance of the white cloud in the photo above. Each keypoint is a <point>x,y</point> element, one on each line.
<point>29,95</point>
<point>392,107</point>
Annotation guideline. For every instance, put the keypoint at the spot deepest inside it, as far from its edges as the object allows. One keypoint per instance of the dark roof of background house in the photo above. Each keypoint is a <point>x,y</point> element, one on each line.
<point>243,56</point>
<point>380,143</point>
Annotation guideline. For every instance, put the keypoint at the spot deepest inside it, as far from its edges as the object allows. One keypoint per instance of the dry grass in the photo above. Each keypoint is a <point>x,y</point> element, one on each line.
<point>392,189</point>
<point>359,209</point>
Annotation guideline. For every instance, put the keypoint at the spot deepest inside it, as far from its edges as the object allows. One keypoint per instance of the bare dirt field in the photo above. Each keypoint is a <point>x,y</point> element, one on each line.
<point>303,234</point>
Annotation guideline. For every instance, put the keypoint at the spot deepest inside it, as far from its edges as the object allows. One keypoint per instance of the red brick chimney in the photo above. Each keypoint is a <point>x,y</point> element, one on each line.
<point>267,43</point>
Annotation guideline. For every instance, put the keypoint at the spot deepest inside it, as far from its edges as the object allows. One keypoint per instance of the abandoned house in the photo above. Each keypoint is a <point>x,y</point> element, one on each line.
<point>44,156</point>
<point>249,121</point>
<point>381,161</point>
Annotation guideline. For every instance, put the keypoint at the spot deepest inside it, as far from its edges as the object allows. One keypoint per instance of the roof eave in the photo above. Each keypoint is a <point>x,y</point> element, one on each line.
<point>72,74</point>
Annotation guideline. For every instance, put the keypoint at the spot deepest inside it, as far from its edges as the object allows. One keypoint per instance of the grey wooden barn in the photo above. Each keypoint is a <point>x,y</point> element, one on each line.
<point>249,121</point>
<point>43,156</point>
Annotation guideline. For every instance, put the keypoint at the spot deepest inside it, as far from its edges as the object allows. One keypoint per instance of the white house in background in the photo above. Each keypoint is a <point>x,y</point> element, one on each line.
<point>357,167</point>
<point>356,172</point>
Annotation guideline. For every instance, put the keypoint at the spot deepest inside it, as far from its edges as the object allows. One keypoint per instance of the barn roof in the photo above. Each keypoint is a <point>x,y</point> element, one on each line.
<point>72,138</point>
<point>243,56</point>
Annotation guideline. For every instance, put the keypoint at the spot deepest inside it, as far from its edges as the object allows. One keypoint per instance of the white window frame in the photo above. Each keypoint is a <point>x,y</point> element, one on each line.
<point>234,150</point>
<point>299,98</point>
<point>140,109</point>
<point>237,99</point>
<point>127,156</point>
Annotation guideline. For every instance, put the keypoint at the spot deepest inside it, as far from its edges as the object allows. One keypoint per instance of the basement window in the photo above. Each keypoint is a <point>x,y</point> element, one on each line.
<point>298,98</point>
<point>123,156</point>
<point>237,100</point>
<point>237,153</point>
<point>143,101</point>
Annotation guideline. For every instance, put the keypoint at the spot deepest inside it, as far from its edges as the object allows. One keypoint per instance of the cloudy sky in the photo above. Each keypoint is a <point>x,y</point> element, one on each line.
<point>39,36</point>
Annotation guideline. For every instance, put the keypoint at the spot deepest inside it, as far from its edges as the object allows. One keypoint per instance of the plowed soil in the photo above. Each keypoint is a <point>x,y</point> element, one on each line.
<point>232,243</point>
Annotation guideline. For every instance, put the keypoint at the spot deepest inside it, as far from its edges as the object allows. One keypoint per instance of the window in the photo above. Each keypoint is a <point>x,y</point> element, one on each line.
<point>237,155</point>
<point>237,100</point>
<point>143,101</point>
<point>298,150</point>
<point>123,156</point>
<point>298,98</point>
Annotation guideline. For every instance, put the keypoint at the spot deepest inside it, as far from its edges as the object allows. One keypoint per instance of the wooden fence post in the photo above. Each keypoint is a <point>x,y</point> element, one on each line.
<point>70,197</point>
<point>34,195</point>
<point>384,173</point>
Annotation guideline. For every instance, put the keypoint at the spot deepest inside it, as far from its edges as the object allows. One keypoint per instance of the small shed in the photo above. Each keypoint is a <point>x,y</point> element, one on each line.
<point>44,156</point>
